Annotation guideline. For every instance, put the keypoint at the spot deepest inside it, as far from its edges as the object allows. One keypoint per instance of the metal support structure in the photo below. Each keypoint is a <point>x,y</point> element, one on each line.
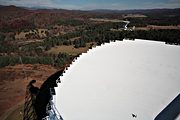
<point>39,102</point>
<point>29,111</point>
<point>51,110</point>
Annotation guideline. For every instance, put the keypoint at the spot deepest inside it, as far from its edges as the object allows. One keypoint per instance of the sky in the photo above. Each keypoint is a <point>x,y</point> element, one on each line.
<point>95,4</point>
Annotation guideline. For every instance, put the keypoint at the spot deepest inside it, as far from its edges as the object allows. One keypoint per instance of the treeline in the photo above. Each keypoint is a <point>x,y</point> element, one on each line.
<point>4,46</point>
<point>17,25</point>
<point>93,33</point>
<point>154,20</point>
<point>88,33</point>
<point>55,60</point>
<point>38,48</point>
<point>104,26</point>
<point>61,40</point>
<point>71,22</point>
<point>100,33</point>
<point>168,36</point>
<point>2,37</point>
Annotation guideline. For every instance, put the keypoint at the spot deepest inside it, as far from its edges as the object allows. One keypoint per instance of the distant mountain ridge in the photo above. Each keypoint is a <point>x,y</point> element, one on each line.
<point>95,10</point>
<point>136,10</point>
<point>13,18</point>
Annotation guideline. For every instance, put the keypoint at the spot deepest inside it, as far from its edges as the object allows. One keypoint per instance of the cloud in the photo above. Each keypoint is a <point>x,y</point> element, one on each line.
<point>119,5</point>
<point>30,3</point>
<point>41,3</point>
<point>174,1</point>
<point>113,6</point>
<point>167,4</point>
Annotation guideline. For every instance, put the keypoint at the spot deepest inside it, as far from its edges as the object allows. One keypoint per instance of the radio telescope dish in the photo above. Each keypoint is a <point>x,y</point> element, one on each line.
<point>122,80</point>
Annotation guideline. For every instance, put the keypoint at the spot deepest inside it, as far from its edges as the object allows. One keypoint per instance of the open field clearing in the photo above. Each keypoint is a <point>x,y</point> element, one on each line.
<point>163,27</point>
<point>157,27</point>
<point>105,20</point>
<point>41,33</point>
<point>72,39</point>
<point>21,43</point>
<point>134,16</point>
<point>69,49</point>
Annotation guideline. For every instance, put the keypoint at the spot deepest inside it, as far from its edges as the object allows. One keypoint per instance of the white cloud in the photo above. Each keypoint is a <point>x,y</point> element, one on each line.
<point>168,4</point>
<point>30,3</point>
<point>113,6</point>
<point>174,1</point>
<point>90,6</point>
<point>55,4</point>
<point>123,6</point>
